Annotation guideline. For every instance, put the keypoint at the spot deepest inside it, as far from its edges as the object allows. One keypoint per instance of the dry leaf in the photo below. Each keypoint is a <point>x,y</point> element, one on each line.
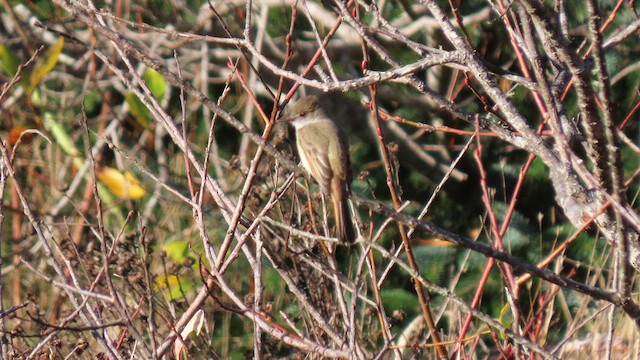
<point>194,325</point>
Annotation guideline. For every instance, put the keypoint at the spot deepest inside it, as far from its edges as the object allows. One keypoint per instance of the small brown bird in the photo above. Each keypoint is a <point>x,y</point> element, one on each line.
<point>324,152</point>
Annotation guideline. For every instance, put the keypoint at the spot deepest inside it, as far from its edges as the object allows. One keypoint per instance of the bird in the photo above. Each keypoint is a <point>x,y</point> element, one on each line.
<point>324,153</point>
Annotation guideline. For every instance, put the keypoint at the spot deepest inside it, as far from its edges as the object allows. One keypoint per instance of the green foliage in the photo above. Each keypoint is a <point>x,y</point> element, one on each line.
<point>176,250</point>
<point>157,86</point>
<point>400,299</point>
<point>60,134</point>
<point>279,20</point>
<point>156,83</point>
<point>520,232</point>
<point>434,261</point>
<point>138,110</point>
<point>8,61</point>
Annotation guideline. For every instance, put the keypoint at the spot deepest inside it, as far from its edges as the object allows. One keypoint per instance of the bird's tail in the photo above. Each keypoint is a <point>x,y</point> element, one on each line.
<point>345,231</point>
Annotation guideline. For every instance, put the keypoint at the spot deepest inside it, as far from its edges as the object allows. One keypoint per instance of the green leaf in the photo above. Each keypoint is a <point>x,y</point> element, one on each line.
<point>59,134</point>
<point>47,64</point>
<point>177,250</point>
<point>91,101</point>
<point>506,319</point>
<point>138,110</point>
<point>156,83</point>
<point>8,61</point>
<point>394,299</point>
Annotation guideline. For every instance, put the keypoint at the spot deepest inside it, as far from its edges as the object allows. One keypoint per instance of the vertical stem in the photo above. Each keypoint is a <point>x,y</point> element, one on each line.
<point>4,348</point>
<point>423,297</point>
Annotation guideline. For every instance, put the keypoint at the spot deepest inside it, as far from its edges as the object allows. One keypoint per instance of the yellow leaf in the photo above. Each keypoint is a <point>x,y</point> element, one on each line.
<point>174,286</point>
<point>167,282</point>
<point>47,64</point>
<point>122,186</point>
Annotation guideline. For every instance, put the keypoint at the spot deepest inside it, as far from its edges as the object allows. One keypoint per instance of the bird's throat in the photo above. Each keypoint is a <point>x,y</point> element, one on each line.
<point>309,120</point>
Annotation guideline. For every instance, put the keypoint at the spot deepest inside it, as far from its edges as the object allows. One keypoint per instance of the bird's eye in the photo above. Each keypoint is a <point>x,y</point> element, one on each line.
<point>303,114</point>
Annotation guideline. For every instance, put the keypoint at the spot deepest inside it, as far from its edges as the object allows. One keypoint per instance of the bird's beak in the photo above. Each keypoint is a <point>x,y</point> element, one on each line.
<point>285,119</point>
